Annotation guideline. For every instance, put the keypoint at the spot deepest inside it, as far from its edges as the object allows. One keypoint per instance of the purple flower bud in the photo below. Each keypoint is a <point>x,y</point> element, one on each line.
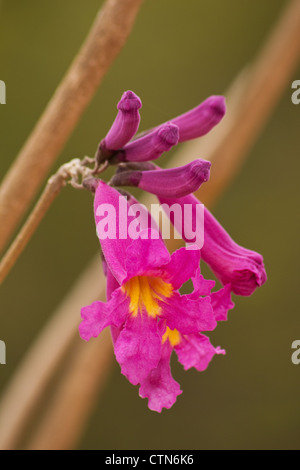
<point>174,182</point>
<point>200,120</point>
<point>123,128</point>
<point>149,147</point>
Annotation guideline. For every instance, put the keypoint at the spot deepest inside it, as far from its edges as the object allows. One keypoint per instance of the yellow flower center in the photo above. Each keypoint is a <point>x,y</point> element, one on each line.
<point>145,292</point>
<point>173,336</point>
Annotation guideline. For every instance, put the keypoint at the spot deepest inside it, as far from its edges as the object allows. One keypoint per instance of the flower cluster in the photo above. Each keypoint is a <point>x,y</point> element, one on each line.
<point>148,316</point>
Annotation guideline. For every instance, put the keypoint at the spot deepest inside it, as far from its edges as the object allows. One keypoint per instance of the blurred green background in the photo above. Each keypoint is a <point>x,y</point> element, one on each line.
<point>178,54</point>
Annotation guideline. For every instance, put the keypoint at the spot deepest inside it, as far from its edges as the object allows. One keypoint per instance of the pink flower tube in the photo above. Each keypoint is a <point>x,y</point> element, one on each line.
<point>149,147</point>
<point>232,264</point>
<point>200,120</point>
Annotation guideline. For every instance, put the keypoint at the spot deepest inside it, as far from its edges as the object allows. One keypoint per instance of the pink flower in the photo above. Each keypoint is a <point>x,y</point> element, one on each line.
<point>147,315</point>
<point>148,278</point>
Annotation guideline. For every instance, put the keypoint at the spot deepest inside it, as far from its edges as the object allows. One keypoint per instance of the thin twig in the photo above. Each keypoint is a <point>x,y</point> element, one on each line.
<point>105,40</point>
<point>76,170</point>
<point>47,197</point>
<point>13,420</point>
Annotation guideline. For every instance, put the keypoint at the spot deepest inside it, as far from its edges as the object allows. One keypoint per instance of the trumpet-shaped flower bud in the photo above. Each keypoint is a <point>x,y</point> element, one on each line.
<point>123,128</point>
<point>174,182</point>
<point>200,120</point>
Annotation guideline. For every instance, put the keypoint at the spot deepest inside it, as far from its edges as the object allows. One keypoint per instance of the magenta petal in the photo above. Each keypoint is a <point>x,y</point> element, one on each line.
<point>146,252</point>
<point>146,256</point>
<point>138,347</point>
<point>221,302</point>
<point>99,315</point>
<point>196,351</point>
<point>201,286</point>
<point>159,386</point>
<point>182,266</point>
<point>188,316</point>
<point>95,319</point>
<point>108,204</point>
<point>111,286</point>
<point>143,220</point>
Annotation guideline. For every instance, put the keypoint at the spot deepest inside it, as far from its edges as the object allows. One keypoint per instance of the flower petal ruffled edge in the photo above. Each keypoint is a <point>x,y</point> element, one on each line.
<point>196,351</point>
<point>99,315</point>
<point>138,347</point>
<point>159,386</point>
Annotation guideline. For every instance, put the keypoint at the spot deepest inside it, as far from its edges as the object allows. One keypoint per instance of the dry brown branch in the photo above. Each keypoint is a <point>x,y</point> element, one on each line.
<point>257,78</point>
<point>50,192</point>
<point>24,392</point>
<point>105,40</point>
<point>75,171</point>
<point>63,421</point>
